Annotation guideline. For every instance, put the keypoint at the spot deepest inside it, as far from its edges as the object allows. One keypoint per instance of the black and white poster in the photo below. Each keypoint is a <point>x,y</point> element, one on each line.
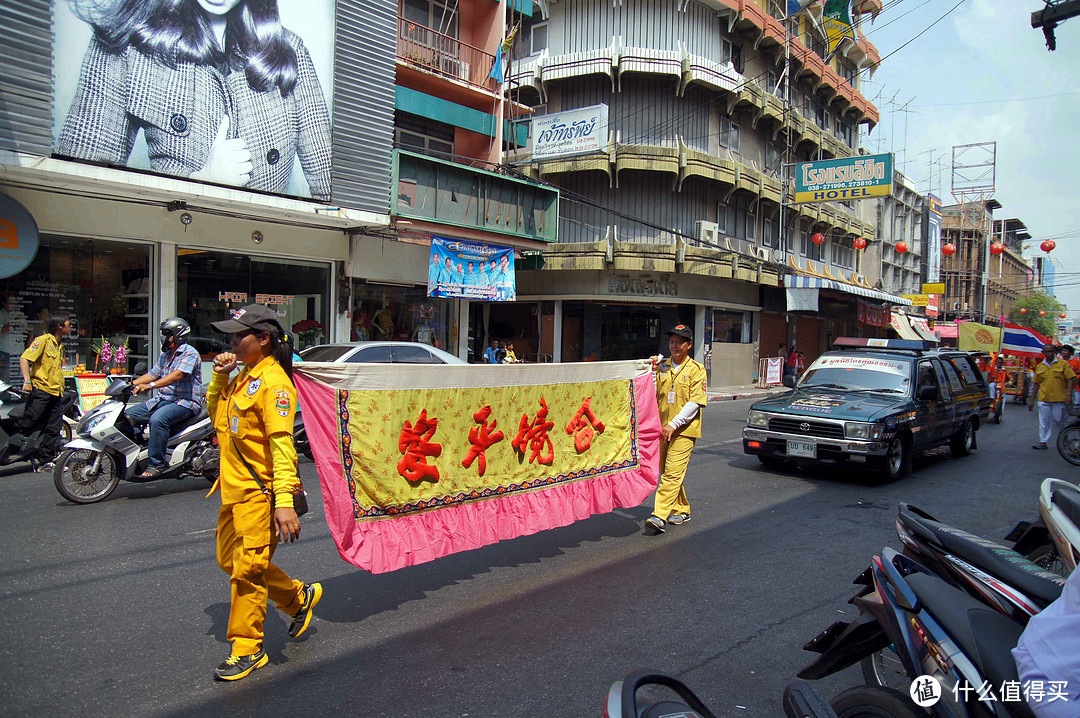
<point>232,92</point>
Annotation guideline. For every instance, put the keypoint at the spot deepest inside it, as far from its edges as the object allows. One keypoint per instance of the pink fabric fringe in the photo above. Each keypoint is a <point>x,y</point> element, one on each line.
<point>392,543</point>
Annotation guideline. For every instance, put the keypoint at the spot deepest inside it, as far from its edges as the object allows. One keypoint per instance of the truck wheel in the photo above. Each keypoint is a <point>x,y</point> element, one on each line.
<point>897,459</point>
<point>963,441</point>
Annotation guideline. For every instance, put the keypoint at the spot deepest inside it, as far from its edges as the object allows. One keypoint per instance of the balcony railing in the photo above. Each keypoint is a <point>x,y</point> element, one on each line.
<point>444,55</point>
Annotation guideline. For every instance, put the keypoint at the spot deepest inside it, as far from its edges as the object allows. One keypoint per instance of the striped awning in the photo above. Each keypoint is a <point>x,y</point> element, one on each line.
<point>793,281</point>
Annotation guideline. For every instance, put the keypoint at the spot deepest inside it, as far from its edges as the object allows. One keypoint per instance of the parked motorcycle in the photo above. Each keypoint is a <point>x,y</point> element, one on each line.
<point>1068,442</point>
<point>92,464</point>
<point>936,630</point>
<point>16,446</point>
<point>1052,541</point>
<point>800,700</point>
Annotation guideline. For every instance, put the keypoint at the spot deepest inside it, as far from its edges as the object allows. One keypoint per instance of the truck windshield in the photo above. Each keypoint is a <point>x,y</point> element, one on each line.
<point>856,373</point>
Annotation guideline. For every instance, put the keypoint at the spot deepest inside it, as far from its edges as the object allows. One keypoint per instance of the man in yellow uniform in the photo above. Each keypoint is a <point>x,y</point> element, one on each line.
<point>253,415</point>
<point>43,376</point>
<point>680,390</point>
<point>1055,379</point>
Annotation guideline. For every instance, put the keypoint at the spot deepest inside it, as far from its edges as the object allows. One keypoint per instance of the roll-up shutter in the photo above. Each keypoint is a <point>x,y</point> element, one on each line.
<point>363,111</point>
<point>26,79</point>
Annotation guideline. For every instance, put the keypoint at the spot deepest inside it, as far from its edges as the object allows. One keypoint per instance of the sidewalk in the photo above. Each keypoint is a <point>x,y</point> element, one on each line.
<point>749,391</point>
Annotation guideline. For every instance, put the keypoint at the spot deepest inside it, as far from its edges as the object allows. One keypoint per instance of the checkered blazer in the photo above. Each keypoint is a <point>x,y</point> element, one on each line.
<point>179,111</point>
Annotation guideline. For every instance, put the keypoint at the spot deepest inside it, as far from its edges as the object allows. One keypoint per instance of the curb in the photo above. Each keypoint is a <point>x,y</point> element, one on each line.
<point>756,394</point>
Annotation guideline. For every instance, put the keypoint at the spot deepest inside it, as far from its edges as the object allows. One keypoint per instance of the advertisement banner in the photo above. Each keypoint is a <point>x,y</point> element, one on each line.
<point>418,462</point>
<point>774,370</point>
<point>872,314</point>
<point>844,179</point>
<point>932,306</point>
<point>18,238</point>
<point>836,19</point>
<point>574,132</point>
<point>141,87</point>
<point>933,240</point>
<point>471,270</point>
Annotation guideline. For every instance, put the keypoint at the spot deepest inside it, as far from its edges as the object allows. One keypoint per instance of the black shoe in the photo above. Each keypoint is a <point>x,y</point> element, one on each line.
<point>312,594</point>
<point>655,525</point>
<point>236,667</point>
<point>1040,446</point>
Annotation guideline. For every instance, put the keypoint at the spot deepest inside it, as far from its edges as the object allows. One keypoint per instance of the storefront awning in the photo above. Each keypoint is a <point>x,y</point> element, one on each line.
<point>900,324</point>
<point>792,281</point>
<point>923,329</point>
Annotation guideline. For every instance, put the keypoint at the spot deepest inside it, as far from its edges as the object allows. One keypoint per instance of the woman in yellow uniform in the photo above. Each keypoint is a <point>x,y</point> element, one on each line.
<point>253,415</point>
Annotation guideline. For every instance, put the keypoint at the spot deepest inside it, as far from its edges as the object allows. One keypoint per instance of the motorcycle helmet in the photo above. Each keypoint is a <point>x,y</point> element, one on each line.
<point>174,332</point>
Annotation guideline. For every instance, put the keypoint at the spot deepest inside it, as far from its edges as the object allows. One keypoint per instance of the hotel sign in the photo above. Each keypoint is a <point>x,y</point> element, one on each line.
<point>844,179</point>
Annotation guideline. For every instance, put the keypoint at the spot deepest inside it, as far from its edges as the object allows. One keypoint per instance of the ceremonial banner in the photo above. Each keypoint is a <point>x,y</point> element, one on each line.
<point>417,462</point>
<point>972,337</point>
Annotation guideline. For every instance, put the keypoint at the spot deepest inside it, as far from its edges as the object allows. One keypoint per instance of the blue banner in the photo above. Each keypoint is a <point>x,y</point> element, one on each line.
<point>471,270</point>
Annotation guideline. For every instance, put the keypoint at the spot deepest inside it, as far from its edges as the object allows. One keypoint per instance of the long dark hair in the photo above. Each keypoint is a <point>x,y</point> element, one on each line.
<point>281,347</point>
<point>175,31</point>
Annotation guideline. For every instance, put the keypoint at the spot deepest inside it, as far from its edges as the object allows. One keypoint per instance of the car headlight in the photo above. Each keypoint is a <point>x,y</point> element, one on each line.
<point>862,430</point>
<point>758,418</point>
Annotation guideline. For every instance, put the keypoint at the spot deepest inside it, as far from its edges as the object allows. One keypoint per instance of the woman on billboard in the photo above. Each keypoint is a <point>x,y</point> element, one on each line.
<point>220,90</point>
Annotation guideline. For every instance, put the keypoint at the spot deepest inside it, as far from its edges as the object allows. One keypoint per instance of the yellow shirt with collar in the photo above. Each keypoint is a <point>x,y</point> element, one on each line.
<point>254,415</point>
<point>688,382</point>
<point>46,364</point>
<point>1053,380</point>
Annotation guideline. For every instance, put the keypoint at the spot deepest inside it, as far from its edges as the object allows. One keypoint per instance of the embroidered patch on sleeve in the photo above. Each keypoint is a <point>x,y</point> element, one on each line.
<point>284,402</point>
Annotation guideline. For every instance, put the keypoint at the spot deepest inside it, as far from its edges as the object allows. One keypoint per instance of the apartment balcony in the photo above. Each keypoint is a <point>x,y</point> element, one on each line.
<point>426,53</point>
<point>446,193</point>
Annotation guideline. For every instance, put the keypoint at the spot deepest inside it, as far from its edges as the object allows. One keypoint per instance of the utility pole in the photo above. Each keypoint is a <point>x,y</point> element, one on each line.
<point>1049,17</point>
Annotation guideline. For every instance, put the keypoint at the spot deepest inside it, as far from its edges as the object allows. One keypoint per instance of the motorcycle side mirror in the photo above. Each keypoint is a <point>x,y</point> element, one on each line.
<point>789,381</point>
<point>140,368</point>
<point>927,392</point>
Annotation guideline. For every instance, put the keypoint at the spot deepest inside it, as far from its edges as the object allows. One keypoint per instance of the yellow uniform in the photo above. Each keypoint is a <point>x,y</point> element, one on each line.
<point>254,416</point>
<point>675,387</point>
<point>46,364</point>
<point>1053,380</point>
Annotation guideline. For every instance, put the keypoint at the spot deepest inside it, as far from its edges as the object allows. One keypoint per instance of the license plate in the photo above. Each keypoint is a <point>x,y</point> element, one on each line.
<point>802,448</point>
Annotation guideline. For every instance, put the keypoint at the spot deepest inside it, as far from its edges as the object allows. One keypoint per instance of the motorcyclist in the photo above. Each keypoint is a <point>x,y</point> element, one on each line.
<point>177,376</point>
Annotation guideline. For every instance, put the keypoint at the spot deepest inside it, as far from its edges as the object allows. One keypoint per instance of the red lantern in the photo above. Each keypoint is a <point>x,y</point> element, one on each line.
<point>997,248</point>
<point>1023,311</point>
<point>859,243</point>
<point>949,249</point>
<point>1048,245</point>
<point>1063,315</point>
<point>1042,312</point>
<point>817,238</point>
<point>901,247</point>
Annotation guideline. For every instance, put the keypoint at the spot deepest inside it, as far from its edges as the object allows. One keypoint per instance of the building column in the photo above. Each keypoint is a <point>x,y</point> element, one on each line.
<point>462,330</point>
<point>556,350</point>
<point>167,289</point>
<point>703,342</point>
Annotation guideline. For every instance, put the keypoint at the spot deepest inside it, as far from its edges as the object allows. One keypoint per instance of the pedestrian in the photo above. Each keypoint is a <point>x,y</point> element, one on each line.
<point>800,364</point>
<point>781,352</point>
<point>1054,379</point>
<point>42,366</point>
<point>1067,352</point>
<point>177,377</point>
<point>489,353</point>
<point>500,353</point>
<point>789,362</point>
<point>511,357</point>
<point>219,89</point>
<point>680,393</point>
<point>253,415</point>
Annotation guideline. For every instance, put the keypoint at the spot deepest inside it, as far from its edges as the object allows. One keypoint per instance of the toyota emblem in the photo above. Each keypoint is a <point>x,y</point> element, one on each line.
<point>804,426</point>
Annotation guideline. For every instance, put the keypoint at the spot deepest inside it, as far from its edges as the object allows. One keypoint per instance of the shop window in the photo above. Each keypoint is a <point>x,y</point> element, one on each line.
<point>423,135</point>
<point>210,284</point>
<point>104,286</point>
<point>730,327</point>
<point>391,313</point>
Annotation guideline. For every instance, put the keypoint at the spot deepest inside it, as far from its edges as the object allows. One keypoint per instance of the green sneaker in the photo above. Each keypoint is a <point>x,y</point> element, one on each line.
<point>300,622</point>
<point>236,667</point>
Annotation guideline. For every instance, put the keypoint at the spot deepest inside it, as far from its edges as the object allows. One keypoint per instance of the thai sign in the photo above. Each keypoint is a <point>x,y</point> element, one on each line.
<point>575,132</point>
<point>933,242</point>
<point>471,270</point>
<point>844,179</point>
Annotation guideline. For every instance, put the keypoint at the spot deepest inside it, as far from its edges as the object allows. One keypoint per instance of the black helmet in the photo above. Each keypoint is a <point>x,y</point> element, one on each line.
<point>174,332</point>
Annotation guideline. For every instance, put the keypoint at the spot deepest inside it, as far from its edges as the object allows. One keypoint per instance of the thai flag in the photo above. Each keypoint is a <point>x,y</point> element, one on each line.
<point>1022,341</point>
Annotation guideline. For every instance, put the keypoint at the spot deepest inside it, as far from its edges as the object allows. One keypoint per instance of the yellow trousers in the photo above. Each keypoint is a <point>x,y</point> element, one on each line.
<point>245,545</point>
<point>670,494</point>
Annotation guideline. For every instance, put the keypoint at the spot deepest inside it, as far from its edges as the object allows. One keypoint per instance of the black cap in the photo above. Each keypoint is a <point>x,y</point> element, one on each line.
<point>259,317</point>
<point>681,330</point>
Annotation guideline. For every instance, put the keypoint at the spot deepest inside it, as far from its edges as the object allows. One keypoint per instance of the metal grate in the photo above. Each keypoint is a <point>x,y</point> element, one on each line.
<point>812,428</point>
<point>26,81</point>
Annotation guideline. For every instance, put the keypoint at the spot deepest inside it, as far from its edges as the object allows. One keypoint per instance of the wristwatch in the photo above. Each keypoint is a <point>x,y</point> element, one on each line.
<point>153,385</point>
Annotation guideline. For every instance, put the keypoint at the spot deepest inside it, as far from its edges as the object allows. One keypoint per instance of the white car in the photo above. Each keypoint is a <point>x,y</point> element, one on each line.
<point>379,353</point>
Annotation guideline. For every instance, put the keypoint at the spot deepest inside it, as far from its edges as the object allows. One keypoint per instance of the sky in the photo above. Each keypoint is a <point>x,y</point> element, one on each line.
<point>974,77</point>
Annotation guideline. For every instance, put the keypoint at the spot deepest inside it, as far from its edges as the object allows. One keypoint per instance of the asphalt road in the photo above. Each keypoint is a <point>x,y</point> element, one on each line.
<point>118,608</point>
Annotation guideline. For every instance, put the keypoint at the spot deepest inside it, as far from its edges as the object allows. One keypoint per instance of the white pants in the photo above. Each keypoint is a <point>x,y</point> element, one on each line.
<point>1051,414</point>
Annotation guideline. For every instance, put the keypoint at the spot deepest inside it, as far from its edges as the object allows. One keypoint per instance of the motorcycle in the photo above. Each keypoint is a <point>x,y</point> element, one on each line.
<point>937,631</point>
<point>800,700</point>
<point>17,446</point>
<point>1068,441</point>
<point>1052,541</point>
<point>92,465</point>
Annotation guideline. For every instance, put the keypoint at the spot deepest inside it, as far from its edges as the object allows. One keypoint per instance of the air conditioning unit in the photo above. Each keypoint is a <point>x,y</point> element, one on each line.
<point>778,256</point>
<point>706,232</point>
<point>762,253</point>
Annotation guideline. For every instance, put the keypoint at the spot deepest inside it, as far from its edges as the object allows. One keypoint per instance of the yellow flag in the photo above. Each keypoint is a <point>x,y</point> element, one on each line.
<point>974,337</point>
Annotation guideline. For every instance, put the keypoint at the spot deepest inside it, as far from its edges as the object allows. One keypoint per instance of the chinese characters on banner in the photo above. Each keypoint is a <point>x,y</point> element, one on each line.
<point>417,462</point>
